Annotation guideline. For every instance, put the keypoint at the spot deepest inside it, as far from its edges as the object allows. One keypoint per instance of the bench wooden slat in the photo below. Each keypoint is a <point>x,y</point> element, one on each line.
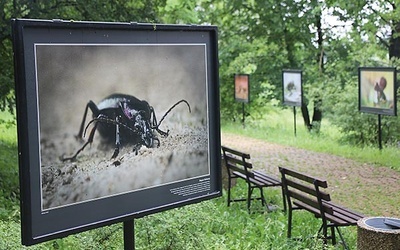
<point>308,189</point>
<point>231,160</point>
<point>307,178</point>
<point>266,178</point>
<point>242,173</point>
<point>345,213</point>
<point>333,218</point>
<point>259,180</point>
<point>235,152</point>
<point>312,202</point>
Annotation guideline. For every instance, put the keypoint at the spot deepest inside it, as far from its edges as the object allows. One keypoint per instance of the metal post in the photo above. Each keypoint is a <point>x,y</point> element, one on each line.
<point>129,235</point>
<point>294,114</point>
<point>243,114</point>
<point>379,132</point>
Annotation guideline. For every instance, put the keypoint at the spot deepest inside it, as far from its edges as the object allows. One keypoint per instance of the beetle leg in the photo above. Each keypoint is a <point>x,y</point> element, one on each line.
<point>95,111</point>
<point>89,141</point>
<point>117,139</point>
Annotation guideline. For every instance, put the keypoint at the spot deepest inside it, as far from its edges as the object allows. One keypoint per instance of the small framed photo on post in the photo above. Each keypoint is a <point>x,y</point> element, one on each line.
<point>377,90</point>
<point>292,88</point>
<point>242,88</point>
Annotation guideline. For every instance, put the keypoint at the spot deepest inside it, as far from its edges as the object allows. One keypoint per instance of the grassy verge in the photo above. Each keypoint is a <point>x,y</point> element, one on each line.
<point>9,187</point>
<point>207,225</point>
<point>278,127</point>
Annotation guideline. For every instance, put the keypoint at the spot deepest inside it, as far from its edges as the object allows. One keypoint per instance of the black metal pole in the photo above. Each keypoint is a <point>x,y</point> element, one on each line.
<point>294,114</point>
<point>243,113</point>
<point>129,235</point>
<point>379,132</point>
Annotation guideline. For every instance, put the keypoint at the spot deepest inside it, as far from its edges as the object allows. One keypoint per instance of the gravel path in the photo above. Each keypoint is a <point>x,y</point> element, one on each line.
<point>351,183</point>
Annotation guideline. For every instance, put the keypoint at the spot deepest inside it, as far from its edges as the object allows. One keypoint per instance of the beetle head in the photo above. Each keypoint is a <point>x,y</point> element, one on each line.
<point>139,121</point>
<point>144,130</point>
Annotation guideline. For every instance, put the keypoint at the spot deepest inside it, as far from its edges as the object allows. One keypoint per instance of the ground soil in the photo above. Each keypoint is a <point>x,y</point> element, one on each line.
<point>370,189</point>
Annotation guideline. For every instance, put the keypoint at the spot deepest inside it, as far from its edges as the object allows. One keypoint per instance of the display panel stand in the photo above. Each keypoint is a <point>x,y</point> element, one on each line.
<point>243,115</point>
<point>380,131</point>
<point>294,115</point>
<point>129,235</point>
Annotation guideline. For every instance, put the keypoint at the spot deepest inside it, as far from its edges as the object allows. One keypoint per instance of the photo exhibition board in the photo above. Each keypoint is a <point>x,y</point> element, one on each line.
<point>377,90</point>
<point>117,118</point>
<point>292,88</point>
<point>242,88</point>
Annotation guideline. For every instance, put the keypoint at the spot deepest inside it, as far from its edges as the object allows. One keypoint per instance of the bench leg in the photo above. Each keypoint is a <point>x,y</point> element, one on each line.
<point>342,239</point>
<point>229,190</point>
<point>324,230</point>
<point>284,200</point>
<point>263,201</point>
<point>289,232</point>
<point>333,236</point>
<point>325,233</point>
<point>249,193</point>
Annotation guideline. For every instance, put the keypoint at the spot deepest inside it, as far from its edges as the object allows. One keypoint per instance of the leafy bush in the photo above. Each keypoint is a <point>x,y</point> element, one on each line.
<point>341,106</point>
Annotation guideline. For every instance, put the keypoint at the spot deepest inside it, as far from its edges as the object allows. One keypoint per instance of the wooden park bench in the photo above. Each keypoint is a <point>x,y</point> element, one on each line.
<point>306,193</point>
<point>239,167</point>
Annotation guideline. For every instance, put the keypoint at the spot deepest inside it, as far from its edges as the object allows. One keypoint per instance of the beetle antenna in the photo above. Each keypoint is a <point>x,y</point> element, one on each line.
<point>169,110</point>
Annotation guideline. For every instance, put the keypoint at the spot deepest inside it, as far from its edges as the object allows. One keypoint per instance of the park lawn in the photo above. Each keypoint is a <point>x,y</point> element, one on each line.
<point>206,225</point>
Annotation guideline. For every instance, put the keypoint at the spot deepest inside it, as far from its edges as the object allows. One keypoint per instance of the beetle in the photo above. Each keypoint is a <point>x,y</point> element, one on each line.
<point>123,119</point>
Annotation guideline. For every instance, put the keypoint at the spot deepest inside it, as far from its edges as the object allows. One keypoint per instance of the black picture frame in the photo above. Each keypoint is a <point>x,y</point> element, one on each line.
<point>292,87</point>
<point>377,90</point>
<point>60,66</point>
<point>242,88</point>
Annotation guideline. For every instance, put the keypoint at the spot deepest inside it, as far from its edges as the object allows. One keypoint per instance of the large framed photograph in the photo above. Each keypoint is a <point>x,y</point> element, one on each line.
<point>377,90</point>
<point>115,121</point>
<point>242,88</point>
<point>292,88</point>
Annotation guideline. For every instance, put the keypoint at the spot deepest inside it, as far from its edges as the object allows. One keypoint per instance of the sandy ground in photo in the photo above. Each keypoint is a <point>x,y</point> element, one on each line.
<point>181,155</point>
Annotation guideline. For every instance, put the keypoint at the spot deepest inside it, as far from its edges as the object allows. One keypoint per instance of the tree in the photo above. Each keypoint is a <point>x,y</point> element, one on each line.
<point>118,10</point>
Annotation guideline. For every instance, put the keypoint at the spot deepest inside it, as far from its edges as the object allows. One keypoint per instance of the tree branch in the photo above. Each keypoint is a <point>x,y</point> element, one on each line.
<point>383,41</point>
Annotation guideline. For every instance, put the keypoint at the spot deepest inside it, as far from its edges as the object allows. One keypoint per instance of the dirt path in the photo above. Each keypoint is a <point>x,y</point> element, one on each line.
<point>372,190</point>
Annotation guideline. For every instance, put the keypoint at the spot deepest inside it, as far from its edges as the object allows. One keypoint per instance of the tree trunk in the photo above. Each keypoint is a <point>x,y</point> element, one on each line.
<point>306,116</point>
<point>394,43</point>
<point>314,124</point>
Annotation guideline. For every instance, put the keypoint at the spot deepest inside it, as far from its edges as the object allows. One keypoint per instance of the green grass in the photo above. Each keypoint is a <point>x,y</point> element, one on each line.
<point>278,127</point>
<point>9,188</point>
<point>207,225</point>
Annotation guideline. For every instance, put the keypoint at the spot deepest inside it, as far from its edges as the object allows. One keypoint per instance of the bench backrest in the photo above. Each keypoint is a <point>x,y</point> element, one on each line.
<point>237,161</point>
<point>306,190</point>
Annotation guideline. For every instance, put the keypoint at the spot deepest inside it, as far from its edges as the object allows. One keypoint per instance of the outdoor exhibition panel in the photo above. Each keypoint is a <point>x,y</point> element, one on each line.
<point>115,121</point>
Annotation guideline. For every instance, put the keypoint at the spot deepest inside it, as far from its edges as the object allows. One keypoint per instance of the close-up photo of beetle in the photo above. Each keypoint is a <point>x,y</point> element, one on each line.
<point>115,119</point>
<point>123,120</point>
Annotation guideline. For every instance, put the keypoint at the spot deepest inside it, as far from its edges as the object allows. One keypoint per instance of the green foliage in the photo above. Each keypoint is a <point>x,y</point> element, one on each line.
<point>81,10</point>
<point>179,11</point>
<point>9,186</point>
<point>259,38</point>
